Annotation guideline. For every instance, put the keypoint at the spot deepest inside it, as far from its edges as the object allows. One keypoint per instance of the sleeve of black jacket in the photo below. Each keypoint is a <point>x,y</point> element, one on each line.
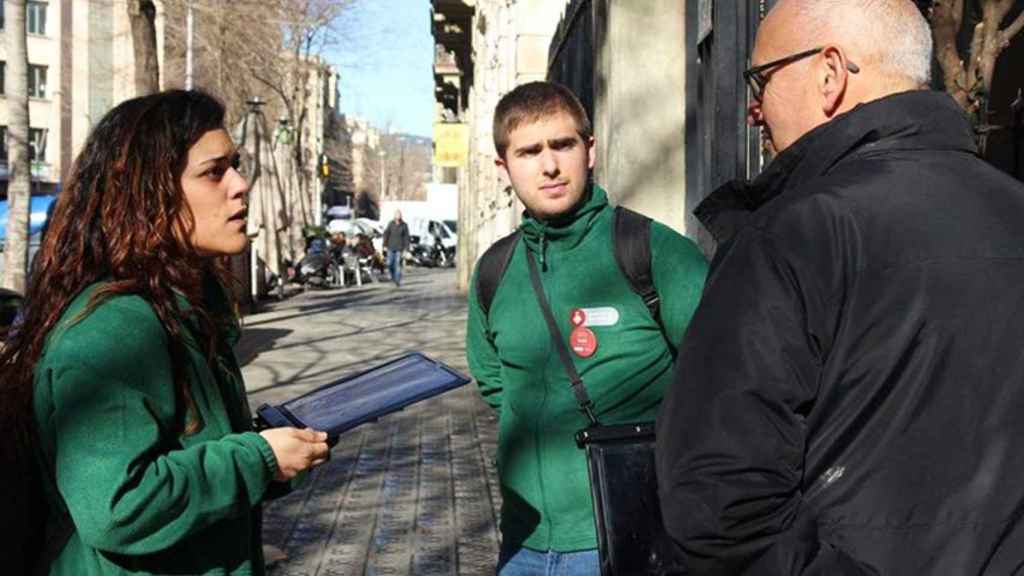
<point>731,429</point>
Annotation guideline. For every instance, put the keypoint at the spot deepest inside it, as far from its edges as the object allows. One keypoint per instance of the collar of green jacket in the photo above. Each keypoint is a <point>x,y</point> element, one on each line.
<point>218,306</point>
<point>566,232</point>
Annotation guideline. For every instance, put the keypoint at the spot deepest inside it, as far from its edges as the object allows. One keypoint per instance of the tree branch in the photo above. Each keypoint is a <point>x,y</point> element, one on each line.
<point>1012,30</point>
<point>973,76</point>
<point>946,18</point>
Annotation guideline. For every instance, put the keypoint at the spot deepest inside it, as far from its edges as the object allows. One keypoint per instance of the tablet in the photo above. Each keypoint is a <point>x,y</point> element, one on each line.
<point>364,397</point>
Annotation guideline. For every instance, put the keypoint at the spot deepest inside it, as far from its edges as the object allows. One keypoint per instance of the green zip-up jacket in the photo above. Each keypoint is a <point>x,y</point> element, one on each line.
<point>143,498</point>
<point>544,484</point>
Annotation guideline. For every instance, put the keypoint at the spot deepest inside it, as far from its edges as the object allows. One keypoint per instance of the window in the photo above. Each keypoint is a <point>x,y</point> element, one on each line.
<point>3,77</point>
<point>37,144</point>
<point>36,81</point>
<point>35,20</point>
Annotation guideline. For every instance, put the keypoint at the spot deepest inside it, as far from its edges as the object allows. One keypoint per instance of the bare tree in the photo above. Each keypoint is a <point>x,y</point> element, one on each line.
<point>226,36</point>
<point>18,164</point>
<point>408,162</point>
<point>142,15</point>
<point>969,79</point>
<point>309,27</point>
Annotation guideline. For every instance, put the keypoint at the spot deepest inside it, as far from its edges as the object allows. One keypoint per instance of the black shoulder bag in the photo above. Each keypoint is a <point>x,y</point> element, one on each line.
<point>631,538</point>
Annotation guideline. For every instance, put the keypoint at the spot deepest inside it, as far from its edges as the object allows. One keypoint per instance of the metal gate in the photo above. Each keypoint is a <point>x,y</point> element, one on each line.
<point>719,145</point>
<point>571,57</point>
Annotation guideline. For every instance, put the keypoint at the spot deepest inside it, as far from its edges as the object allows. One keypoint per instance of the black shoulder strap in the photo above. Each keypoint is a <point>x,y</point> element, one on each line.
<point>492,267</point>
<point>578,389</point>
<point>632,240</point>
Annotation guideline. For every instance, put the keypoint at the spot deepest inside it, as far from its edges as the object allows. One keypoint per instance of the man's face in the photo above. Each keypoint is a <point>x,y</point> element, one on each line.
<point>790,105</point>
<point>547,164</point>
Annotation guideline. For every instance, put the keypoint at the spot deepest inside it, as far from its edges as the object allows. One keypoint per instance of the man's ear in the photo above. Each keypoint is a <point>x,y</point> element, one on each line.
<point>591,152</point>
<point>502,167</point>
<point>833,79</point>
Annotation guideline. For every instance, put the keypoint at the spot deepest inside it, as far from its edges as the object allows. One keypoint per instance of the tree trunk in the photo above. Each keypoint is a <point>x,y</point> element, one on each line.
<point>142,14</point>
<point>18,165</point>
<point>968,80</point>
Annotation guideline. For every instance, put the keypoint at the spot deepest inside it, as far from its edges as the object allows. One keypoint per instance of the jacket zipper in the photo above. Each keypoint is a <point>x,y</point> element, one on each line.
<point>539,438</point>
<point>543,251</point>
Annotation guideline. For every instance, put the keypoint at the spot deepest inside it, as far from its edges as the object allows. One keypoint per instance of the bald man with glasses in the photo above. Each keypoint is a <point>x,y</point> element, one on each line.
<point>849,396</point>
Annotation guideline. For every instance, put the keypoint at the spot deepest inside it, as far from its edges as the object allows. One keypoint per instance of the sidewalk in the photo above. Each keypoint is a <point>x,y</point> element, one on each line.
<point>416,492</point>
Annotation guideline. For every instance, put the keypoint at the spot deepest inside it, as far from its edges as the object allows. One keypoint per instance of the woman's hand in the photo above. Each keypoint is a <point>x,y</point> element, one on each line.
<point>296,450</point>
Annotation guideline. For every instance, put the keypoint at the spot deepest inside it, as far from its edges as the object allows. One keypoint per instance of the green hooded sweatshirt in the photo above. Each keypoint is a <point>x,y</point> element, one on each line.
<point>143,497</point>
<point>544,483</point>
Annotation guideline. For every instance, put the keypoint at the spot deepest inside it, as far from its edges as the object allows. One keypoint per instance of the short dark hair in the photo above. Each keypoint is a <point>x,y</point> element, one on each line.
<point>532,101</point>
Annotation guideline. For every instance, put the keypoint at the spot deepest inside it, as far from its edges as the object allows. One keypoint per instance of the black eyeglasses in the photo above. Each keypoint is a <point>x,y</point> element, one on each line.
<point>757,77</point>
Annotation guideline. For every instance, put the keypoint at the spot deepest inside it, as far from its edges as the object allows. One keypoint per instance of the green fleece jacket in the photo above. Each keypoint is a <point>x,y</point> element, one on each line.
<point>544,483</point>
<point>145,499</point>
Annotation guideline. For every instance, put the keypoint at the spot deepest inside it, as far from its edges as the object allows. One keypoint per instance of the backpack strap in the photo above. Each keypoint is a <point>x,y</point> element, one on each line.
<point>631,237</point>
<point>632,241</point>
<point>492,267</point>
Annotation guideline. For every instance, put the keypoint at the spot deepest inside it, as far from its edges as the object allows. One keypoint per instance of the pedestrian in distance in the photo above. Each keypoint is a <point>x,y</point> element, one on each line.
<point>396,242</point>
<point>848,398</point>
<point>121,381</point>
<point>623,353</point>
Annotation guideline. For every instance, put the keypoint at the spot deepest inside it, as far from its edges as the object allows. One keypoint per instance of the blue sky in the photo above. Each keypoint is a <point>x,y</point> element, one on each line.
<point>385,64</point>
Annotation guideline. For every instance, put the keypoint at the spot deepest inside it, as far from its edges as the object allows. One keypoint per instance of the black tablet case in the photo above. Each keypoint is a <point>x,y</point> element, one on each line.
<point>364,397</point>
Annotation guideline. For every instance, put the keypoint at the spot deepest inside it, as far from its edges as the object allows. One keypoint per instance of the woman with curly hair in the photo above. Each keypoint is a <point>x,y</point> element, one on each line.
<point>121,378</point>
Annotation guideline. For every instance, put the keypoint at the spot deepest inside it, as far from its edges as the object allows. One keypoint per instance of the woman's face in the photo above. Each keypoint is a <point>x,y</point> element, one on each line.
<point>216,194</point>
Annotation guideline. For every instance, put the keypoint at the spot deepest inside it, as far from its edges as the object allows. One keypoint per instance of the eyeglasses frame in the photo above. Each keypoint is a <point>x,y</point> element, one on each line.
<point>757,80</point>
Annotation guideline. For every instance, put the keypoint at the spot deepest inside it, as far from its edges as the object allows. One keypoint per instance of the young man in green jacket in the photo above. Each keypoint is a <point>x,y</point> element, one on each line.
<point>624,356</point>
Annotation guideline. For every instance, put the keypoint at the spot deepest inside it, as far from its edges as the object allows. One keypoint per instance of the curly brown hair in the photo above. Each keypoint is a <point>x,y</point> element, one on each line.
<point>122,219</point>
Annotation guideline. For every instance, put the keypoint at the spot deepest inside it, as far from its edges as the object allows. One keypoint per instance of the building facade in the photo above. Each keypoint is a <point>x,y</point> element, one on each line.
<point>77,68</point>
<point>483,49</point>
<point>633,85</point>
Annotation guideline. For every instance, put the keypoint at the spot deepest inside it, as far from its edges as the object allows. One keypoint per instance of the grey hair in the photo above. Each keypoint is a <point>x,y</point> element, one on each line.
<point>892,33</point>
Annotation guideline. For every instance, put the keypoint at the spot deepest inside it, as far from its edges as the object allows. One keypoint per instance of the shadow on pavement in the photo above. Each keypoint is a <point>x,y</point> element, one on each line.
<point>256,340</point>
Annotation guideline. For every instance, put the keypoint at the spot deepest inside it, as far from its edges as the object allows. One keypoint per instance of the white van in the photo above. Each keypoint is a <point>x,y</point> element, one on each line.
<point>427,230</point>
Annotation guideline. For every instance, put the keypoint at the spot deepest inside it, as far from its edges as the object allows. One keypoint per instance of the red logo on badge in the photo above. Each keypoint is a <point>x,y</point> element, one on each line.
<point>578,317</point>
<point>583,342</point>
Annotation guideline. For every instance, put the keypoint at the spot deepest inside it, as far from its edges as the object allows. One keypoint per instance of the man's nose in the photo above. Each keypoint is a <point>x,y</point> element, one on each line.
<point>549,163</point>
<point>755,116</point>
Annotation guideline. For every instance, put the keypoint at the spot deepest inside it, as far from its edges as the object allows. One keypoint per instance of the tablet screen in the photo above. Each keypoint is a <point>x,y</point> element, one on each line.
<point>349,402</point>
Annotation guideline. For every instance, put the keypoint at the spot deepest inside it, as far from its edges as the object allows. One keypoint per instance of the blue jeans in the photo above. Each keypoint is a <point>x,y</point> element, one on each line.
<point>526,562</point>
<point>395,266</point>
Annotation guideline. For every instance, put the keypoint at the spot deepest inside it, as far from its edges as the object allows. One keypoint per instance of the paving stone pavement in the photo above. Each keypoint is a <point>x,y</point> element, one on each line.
<point>415,493</point>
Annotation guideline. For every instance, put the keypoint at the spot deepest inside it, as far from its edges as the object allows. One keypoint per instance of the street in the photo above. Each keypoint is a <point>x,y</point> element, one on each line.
<point>416,492</point>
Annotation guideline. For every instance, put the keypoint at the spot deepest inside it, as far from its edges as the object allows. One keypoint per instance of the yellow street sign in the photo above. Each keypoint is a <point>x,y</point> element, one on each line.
<point>451,145</point>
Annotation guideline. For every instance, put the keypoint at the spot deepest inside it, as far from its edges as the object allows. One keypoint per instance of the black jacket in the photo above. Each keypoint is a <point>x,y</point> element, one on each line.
<point>849,397</point>
<point>396,236</point>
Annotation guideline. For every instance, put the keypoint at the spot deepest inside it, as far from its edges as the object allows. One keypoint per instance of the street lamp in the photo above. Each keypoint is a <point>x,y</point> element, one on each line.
<point>188,47</point>
<point>382,154</point>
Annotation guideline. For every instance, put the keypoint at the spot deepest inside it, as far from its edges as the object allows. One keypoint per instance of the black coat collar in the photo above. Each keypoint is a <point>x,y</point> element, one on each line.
<point>916,120</point>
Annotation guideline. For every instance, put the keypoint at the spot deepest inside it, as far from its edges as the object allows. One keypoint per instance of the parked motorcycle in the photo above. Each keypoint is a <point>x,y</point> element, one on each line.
<point>321,267</point>
<point>431,254</point>
<point>421,255</point>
